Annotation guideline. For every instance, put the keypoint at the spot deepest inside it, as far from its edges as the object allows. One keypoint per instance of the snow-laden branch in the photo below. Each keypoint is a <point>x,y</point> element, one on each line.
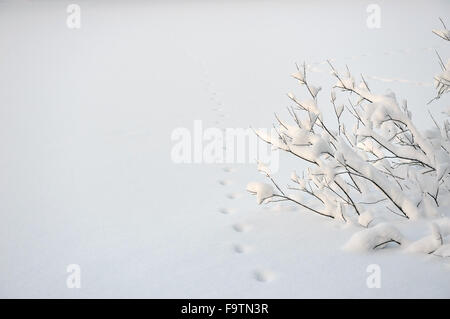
<point>384,165</point>
<point>442,80</point>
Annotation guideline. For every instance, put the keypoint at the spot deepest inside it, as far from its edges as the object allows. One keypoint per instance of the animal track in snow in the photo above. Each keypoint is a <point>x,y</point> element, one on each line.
<point>241,249</point>
<point>229,169</point>
<point>225,182</point>
<point>313,67</point>
<point>242,227</point>
<point>234,195</point>
<point>264,275</point>
<point>227,211</point>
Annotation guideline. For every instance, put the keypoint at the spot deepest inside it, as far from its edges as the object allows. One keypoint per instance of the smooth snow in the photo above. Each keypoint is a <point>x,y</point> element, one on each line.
<point>86,173</point>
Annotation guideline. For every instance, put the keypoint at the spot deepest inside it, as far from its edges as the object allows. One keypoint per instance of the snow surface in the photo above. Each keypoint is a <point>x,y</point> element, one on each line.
<point>86,174</point>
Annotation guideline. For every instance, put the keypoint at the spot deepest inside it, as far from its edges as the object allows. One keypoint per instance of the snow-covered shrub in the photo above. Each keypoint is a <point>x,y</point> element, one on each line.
<point>380,165</point>
<point>375,238</point>
<point>428,244</point>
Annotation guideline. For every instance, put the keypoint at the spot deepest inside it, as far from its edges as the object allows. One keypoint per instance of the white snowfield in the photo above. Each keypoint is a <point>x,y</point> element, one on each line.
<point>87,178</point>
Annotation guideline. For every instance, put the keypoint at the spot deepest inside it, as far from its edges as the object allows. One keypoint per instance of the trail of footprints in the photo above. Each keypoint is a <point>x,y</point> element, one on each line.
<point>261,275</point>
<point>317,66</point>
